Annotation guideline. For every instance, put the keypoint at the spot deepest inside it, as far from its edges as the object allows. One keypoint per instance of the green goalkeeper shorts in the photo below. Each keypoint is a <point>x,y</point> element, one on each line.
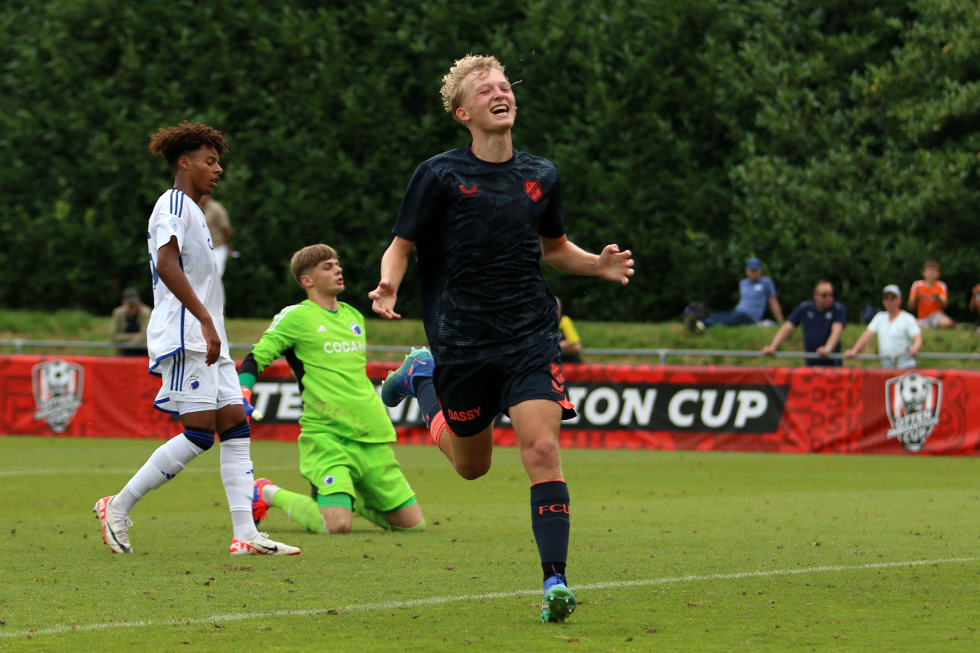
<point>367,470</point>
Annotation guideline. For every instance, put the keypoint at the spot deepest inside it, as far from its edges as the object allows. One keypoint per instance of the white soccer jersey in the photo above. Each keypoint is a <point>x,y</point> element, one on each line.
<point>172,327</point>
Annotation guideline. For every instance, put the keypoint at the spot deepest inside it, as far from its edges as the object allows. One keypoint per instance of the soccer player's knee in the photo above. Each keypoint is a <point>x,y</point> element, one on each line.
<point>472,471</point>
<point>541,451</point>
<point>336,521</point>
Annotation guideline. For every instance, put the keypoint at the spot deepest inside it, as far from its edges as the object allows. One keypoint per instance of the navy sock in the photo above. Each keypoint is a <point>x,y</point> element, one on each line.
<point>550,523</point>
<point>425,391</point>
<point>553,568</point>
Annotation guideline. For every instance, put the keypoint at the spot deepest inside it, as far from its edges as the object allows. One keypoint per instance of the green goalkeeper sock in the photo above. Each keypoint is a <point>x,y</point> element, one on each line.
<point>372,516</point>
<point>414,529</point>
<point>302,509</point>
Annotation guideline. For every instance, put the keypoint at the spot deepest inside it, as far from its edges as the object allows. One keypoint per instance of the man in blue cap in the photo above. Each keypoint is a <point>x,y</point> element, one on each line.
<point>754,292</point>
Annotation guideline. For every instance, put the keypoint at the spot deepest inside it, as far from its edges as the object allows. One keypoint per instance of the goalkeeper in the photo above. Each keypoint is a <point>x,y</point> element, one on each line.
<point>345,432</point>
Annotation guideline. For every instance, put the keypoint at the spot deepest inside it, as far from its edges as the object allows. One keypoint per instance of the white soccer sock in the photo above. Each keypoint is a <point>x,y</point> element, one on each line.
<point>237,477</point>
<point>164,463</point>
<point>269,491</point>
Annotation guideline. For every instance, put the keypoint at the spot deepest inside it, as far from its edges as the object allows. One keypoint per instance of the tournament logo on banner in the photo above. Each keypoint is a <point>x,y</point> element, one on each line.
<point>57,392</point>
<point>913,402</point>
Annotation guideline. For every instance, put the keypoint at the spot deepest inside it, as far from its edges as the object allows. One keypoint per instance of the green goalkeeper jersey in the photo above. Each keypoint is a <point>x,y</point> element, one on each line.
<point>326,352</point>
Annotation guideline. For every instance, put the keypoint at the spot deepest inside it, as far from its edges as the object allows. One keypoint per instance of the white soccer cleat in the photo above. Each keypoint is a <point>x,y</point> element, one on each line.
<point>115,526</point>
<point>261,545</point>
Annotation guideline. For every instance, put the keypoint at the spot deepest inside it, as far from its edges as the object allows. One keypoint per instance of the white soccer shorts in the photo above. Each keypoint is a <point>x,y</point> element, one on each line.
<point>189,385</point>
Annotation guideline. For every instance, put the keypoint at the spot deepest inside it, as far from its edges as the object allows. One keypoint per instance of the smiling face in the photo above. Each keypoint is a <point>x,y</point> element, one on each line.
<point>488,102</point>
<point>200,171</point>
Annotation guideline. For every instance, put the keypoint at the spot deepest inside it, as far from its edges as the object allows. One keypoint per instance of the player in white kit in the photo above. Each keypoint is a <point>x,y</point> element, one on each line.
<point>189,349</point>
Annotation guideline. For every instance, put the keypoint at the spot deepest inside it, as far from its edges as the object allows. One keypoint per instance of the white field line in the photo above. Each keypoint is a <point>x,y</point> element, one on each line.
<point>131,471</point>
<point>439,600</point>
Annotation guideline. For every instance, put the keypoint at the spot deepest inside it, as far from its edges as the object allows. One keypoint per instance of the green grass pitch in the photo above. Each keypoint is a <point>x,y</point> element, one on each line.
<point>670,551</point>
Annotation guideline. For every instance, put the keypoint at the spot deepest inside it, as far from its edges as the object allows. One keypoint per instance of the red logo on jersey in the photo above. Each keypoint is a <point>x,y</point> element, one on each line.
<point>468,192</point>
<point>533,189</point>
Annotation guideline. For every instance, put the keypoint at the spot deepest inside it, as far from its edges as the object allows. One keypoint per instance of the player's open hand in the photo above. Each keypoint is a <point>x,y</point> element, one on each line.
<point>383,300</point>
<point>615,265</point>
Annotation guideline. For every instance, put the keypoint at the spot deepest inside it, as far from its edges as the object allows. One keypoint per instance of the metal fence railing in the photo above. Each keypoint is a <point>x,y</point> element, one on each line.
<point>660,354</point>
<point>19,344</point>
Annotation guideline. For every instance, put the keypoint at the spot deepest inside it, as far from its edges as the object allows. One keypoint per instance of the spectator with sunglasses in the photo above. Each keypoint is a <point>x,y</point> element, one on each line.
<point>823,321</point>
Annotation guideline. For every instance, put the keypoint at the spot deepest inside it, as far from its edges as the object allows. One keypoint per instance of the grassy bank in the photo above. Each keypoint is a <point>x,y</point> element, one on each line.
<point>80,326</point>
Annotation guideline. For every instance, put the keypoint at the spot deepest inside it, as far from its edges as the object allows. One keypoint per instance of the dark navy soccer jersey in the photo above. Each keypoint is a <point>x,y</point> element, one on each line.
<point>816,328</point>
<point>476,226</point>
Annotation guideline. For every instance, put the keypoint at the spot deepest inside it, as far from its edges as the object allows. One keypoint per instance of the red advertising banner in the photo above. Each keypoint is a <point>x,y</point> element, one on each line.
<point>800,409</point>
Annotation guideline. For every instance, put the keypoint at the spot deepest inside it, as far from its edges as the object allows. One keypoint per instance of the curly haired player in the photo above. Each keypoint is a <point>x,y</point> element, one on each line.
<point>189,349</point>
<point>481,218</point>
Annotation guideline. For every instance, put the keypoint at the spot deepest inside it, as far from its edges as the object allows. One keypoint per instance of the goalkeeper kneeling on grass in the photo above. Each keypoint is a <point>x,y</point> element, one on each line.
<point>345,432</point>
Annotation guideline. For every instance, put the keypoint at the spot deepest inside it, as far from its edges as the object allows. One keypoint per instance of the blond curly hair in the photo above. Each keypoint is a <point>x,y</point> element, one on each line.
<point>454,83</point>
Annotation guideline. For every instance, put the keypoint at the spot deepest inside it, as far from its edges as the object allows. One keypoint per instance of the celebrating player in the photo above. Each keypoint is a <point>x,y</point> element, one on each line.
<point>345,431</point>
<point>189,349</point>
<point>482,216</point>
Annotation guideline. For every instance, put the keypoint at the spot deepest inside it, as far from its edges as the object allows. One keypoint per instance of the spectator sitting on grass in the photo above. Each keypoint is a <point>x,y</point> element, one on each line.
<point>928,298</point>
<point>571,342</point>
<point>754,292</point>
<point>128,323</point>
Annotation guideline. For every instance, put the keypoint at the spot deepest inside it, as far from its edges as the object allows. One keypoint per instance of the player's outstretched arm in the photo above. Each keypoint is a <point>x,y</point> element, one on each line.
<point>171,274</point>
<point>393,266</point>
<point>610,264</point>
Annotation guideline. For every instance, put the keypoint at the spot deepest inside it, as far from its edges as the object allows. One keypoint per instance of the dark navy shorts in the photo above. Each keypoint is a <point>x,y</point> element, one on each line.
<point>473,394</point>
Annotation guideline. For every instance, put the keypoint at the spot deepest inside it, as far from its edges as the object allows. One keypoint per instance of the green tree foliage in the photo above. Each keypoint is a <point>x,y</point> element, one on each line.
<point>833,139</point>
<point>861,159</point>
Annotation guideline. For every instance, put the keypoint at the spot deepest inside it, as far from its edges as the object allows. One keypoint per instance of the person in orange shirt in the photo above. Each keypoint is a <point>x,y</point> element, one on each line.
<point>928,297</point>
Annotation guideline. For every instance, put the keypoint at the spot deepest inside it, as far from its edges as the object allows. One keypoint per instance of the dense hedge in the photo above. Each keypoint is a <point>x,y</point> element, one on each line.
<point>833,139</point>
